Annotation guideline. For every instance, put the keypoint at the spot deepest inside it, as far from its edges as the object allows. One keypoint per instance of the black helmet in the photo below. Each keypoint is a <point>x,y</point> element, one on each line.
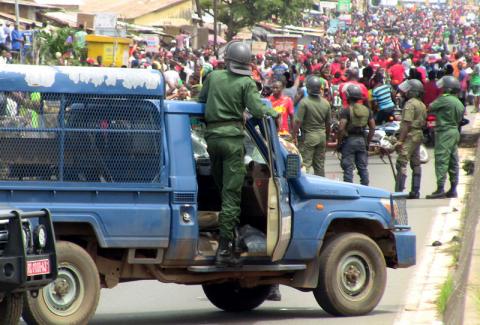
<point>412,88</point>
<point>449,85</point>
<point>353,92</point>
<point>314,85</point>
<point>237,58</point>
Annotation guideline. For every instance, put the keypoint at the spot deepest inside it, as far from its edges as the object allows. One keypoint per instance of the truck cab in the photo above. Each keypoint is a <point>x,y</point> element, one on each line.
<point>128,179</point>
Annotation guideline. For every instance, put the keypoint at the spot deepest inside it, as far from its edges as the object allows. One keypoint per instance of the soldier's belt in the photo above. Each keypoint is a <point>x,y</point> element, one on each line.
<point>212,125</point>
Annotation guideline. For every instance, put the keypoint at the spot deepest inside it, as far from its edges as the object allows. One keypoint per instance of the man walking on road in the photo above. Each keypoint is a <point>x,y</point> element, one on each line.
<point>227,93</point>
<point>351,136</point>
<point>449,112</point>
<point>414,117</point>
<point>283,105</point>
<point>313,118</point>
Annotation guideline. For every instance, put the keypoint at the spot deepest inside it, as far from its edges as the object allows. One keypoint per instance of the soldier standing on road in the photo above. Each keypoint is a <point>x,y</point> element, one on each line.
<point>351,136</point>
<point>449,112</point>
<point>414,117</point>
<point>313,118</point>
<point>227,93</point>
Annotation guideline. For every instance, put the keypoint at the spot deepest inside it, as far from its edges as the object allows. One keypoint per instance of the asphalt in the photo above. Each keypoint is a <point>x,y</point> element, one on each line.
<point>464,304</point>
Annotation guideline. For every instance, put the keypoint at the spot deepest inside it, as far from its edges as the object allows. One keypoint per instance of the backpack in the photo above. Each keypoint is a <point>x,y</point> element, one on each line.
<point>359,115</point>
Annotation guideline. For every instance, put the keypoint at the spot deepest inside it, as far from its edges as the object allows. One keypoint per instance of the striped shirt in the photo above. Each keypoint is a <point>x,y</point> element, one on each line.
<point>382,95</point>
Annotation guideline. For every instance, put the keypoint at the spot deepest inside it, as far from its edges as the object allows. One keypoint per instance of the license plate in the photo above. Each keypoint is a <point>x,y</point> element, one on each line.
<point>38,267</point>
<point>431,124</point>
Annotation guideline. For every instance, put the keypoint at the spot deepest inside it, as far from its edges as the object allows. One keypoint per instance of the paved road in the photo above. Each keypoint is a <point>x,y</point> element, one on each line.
<point>150,302</point>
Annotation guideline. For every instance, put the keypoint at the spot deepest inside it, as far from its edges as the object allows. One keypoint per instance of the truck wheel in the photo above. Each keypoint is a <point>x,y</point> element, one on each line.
<point>73,297</point>
<point>11,309</point>
<point>352,275</point>
<point>229,296</point>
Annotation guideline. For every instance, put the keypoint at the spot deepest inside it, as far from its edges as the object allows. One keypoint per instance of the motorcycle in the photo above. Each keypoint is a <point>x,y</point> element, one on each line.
<point>385,139</point>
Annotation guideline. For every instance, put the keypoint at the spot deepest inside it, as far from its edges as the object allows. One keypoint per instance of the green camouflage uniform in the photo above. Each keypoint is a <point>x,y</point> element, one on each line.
<point>314,113</point>
<point>226,96</point>
<point>414,112</point>
<point>449,112</point>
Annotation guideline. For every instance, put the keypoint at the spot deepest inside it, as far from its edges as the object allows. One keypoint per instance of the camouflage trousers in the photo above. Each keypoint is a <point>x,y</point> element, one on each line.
<point>228,170</point>
<point>446,156</point>
<point>409,152</point>
<point>312,147</point>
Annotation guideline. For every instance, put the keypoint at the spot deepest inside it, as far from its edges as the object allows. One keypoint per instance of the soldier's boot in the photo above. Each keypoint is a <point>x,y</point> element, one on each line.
<point>274,294</point>
<point>414,195</point>
<point>438,194</point>
<point>415,192</point>
<point>225,255</point>
<point>400,181</point>
<point>452,192</point>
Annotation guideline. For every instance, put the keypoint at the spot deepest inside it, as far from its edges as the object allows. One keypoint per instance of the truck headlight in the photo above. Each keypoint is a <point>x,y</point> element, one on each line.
<point>393,211</point>
<point>26,236</point>
<point>397,211</point>
<point>40,236</point>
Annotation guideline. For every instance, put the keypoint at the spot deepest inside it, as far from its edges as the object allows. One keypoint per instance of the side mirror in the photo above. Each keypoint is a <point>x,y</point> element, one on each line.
<point>294,166</point>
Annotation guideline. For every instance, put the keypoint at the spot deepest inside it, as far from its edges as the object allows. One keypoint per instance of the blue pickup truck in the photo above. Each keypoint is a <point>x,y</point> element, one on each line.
<point>127,178</point>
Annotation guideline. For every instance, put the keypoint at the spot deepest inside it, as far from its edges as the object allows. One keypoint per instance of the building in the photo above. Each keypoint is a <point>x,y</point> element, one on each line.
<point>147,12</point>
<point>28,10</point>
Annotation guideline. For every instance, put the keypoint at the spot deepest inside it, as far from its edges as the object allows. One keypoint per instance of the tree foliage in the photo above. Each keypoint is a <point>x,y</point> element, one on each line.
<point>237,14</point>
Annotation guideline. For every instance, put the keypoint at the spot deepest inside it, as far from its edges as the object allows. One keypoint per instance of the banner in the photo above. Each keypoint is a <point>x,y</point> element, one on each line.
<point>258,47</point>
<point>344,5</point>
<point>152,42</point>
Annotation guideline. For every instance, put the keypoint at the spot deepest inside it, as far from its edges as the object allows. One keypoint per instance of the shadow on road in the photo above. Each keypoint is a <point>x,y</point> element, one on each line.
<point>197,316</point>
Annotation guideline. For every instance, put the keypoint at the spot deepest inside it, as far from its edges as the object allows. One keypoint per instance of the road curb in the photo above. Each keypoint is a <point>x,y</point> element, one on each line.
<point>462,307</point>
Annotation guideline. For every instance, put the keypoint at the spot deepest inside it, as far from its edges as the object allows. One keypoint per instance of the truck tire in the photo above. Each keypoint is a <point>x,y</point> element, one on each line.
<point>11,309</point>
<point>73,297</point>
<point>352,276</point>
<point>229,296</point>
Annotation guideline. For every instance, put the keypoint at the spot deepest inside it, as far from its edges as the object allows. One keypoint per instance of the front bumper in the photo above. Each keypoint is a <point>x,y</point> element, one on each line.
<point>15,256</point>
<point>405,246</point>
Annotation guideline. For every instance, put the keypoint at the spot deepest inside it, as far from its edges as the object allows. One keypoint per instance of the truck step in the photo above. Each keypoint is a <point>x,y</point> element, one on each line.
<point>247,268</point>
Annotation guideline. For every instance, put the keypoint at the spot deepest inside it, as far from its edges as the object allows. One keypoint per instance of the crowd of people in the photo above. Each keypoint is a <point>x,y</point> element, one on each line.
<point>357,75</point>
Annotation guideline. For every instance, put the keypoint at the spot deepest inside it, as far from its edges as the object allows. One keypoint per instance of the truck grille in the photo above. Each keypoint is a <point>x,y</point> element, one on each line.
<point>400,214</point>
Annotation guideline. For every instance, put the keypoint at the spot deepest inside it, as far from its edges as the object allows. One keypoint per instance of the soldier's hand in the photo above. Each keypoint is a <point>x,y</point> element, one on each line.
<point>399,146</point>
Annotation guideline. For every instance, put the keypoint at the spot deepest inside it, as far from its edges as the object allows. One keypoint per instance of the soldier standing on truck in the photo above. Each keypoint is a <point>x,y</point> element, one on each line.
<point>227,93</point>
<point>351,136</point>
<point>449,112</point>
<point>313,117</point>
<point>414,116</point>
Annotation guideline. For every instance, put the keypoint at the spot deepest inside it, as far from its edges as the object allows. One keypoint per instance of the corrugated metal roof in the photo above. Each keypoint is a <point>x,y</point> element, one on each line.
<point>128,9</point>
<point>28,3</point>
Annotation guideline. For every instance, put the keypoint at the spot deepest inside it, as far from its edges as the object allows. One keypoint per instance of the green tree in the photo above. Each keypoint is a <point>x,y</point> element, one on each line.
<point>237,14</point>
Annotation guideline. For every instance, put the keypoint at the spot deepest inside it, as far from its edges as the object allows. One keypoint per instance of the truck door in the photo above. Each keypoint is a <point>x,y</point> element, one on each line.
<point>279,223</point>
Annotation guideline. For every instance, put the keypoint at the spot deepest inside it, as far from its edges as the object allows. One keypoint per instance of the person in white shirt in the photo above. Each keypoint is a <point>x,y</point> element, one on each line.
<point>172,78</point>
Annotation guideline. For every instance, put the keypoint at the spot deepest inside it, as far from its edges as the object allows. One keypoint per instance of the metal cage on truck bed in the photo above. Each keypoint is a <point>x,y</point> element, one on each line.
<point>72,124</point>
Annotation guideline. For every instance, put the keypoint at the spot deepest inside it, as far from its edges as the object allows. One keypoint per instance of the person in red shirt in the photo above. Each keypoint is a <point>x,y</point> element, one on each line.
<point>284,106</point>
<point>352,79</point>
<point>396,72</point>
<point>431,90</point>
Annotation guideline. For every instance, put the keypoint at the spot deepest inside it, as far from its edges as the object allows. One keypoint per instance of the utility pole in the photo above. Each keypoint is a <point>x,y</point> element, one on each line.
<point>17,10</point>
<point>215,28</point>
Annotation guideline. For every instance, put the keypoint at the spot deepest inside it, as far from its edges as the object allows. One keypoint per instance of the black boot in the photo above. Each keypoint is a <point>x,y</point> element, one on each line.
<point>413,195</point>
<point>438,194</point>
<point>274,294</point>
<point>225,255</point>
<point>452,192</point>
